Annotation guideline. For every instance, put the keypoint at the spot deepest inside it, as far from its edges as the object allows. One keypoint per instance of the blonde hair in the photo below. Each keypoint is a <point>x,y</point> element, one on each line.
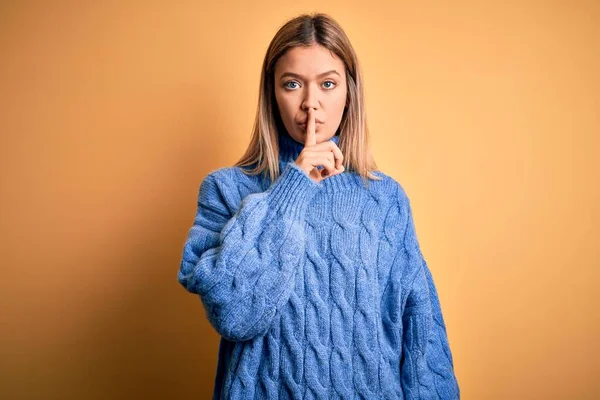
<point>263,151</point>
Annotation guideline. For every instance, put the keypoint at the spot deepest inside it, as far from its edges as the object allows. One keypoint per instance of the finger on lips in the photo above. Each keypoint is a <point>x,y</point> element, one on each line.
<point>311,140</point>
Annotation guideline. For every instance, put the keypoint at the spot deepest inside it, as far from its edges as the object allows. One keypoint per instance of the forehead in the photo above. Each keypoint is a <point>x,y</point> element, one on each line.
<point>308,61</point>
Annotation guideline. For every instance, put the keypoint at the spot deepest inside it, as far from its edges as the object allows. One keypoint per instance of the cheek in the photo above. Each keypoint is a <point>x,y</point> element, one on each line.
<point>279,103</point>
<point>337,104</point>
<point>284,106</point>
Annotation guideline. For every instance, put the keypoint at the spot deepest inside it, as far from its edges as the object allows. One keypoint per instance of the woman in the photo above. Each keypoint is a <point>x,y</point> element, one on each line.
<point>304,255</point>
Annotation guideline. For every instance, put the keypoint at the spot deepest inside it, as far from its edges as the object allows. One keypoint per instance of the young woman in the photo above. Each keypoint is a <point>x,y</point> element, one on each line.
<point>304,255</point>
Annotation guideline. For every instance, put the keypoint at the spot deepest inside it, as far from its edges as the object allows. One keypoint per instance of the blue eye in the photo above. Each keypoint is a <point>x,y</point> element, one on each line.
<point>288,82</point>
<point>286,85</point>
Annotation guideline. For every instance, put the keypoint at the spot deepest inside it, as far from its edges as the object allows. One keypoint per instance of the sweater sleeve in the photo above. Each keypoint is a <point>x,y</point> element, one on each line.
<point>243,265</point>
<point>427,368</point>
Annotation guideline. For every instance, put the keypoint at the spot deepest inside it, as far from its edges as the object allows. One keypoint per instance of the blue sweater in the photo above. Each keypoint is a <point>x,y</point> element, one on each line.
<point>318,290</point>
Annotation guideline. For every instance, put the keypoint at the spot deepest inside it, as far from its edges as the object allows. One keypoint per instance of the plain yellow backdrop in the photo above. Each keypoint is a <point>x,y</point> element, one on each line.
<point>112,113</point>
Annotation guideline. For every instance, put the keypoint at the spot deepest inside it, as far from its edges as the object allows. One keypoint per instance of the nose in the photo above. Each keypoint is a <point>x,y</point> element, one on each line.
<point>310,98</point>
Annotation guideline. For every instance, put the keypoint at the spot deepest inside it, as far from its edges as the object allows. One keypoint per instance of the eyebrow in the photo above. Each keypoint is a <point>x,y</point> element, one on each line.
<point>293,75</point>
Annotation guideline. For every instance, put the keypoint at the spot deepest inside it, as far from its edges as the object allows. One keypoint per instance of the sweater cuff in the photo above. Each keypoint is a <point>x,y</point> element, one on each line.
<point>292,191</point>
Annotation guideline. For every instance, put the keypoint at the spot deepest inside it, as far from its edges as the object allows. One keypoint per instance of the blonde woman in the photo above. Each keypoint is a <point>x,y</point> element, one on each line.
<point>304,256</point>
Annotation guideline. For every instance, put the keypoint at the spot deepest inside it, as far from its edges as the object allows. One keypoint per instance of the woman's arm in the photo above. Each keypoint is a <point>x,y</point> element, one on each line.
<point>427,369</point>
<point>243,265</point>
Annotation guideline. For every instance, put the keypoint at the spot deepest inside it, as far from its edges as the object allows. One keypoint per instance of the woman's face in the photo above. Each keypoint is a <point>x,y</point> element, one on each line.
<point>310,77</point>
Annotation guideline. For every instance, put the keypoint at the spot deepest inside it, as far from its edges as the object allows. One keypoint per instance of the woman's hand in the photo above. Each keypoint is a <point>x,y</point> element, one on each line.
<point>325,154</point>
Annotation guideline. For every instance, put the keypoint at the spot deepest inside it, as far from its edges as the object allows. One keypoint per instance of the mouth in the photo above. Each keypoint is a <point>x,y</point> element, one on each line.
<point>303,122</point>
<point>303,125</point>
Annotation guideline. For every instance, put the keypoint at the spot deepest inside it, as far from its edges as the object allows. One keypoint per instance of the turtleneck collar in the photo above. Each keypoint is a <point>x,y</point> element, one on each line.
<point>290,149</point>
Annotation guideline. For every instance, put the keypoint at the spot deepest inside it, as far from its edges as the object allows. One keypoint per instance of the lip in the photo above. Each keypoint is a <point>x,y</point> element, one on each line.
<point>317,124</point>
<point>303,122</point>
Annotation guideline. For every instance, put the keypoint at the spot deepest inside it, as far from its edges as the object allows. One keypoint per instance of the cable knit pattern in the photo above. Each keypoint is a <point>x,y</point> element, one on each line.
<point>318,290</point>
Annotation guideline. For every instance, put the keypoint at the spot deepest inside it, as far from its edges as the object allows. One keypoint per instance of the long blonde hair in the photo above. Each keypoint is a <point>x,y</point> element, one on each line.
<point>263,151</point>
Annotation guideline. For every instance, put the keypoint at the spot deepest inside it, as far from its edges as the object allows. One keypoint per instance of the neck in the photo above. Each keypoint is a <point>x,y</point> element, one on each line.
<point>290,149</point>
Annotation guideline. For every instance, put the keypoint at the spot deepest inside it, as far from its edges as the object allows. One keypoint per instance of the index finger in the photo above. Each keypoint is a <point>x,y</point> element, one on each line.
<point>311,137</point>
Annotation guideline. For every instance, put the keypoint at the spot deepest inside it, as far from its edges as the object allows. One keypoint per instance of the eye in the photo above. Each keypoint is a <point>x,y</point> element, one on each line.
<point>330,87</point>
<point>285,85</point>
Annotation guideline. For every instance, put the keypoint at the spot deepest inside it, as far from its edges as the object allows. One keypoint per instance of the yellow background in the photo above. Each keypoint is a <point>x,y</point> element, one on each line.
<point>112,112</point>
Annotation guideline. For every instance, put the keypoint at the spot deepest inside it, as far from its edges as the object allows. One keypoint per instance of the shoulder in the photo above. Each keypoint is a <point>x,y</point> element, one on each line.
<point>390,187</point>
<point>228,185</point>
<point>395,207</point>
<point>399,201</point>
<point>227,177</point>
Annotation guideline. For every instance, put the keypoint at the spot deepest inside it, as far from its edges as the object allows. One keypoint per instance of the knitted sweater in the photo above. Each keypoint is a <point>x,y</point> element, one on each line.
<point>318,290</point>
